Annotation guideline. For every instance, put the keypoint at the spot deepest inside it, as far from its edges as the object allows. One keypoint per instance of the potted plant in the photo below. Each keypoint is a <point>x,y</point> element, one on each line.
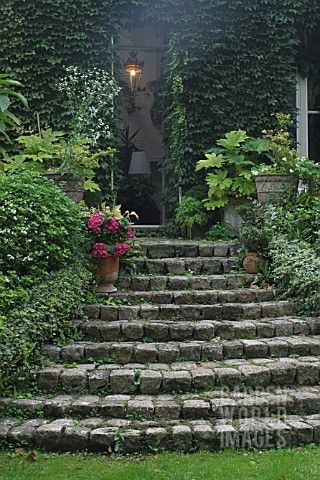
<point>229,164</point>
<point>70,164</point>
<point>255,241</point>
<point>110,237</point>
<point>281,174</point>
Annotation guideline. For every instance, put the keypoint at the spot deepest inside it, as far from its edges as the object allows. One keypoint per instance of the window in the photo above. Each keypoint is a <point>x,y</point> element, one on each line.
<point>308,105</point>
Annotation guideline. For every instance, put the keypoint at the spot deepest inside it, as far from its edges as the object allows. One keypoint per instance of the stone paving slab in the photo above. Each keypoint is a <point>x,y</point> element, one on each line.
<point>196,297</point>
<point>166,330</point>
<point>195,312</point>
<point>186,265</point>
<point>158,248</point>
<point>180,377</point>
<point>125,436</point>
<point>185,282</point>
<point>215,404</point>
<point>192,350</point>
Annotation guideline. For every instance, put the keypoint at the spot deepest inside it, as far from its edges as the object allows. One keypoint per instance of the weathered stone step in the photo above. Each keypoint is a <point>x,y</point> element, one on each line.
<point>186,265</point>
<point>165,330</point>
<point>217,404</point>
<point>184,248</point>
<point>180,377</point>
<point>125,436</point>
<point>185,282</point>
<point>194,351</point>
<point>195,297</point>
<point>226,311</point>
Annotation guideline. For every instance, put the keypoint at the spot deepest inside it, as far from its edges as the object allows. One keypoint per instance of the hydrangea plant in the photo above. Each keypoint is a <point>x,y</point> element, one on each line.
<point>110,233</point>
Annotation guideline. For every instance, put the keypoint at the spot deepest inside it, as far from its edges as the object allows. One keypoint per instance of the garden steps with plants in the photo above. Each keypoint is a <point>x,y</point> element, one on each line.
<point>187,355</point>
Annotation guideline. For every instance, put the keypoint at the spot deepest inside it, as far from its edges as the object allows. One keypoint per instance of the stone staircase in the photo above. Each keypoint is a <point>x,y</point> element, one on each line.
<point>186,356</point>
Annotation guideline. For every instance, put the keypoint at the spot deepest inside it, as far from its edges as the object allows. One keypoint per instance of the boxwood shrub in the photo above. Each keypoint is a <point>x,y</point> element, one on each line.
<point>40,227</point>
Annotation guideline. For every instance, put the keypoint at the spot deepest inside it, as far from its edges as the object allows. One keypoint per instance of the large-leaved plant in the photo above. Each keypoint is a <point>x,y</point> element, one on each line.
<point>229,166</point>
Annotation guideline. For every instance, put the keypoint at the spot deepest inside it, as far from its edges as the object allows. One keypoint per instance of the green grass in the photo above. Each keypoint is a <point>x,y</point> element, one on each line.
<point>302,463</point>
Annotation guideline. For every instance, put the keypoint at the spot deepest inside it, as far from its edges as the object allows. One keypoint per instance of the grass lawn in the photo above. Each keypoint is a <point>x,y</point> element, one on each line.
<point>302,463</point>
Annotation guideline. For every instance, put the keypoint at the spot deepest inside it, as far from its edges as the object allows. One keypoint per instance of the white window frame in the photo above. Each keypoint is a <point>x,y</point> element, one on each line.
<point>303,114</point>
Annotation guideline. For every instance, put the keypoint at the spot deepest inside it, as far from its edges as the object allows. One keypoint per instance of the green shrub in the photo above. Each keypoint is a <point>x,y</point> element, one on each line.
<point>45,315</point>
<point>191,212</point>
<point>299,220</point>
<point>40,228</point>
<point>255,239</point>
<point>219,231</point>
<point>296,269</point>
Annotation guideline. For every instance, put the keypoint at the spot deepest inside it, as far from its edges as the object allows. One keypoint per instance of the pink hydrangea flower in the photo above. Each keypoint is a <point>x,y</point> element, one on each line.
<point>95,222</point>
<point>99,250</point>
<point>113,225</point>
<point>130,233</point>
<point>121,249</point>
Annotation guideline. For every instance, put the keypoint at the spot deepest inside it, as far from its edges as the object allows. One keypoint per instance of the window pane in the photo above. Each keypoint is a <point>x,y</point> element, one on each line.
<point>314,94</point>
<point>314,137</point>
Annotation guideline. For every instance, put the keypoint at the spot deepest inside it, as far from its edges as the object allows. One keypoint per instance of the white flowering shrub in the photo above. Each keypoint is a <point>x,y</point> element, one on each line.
<point>40,228</point>
<point>90,98</point>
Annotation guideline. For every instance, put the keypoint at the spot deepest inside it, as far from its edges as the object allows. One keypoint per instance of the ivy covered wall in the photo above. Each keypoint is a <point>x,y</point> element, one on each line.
<point>232,62</point>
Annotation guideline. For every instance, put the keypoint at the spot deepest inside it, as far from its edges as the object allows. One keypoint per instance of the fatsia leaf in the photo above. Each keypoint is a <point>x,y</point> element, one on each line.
<point>91,186</point>
<point>214,203</point>
<point>212,161</point>
<point>233,139</point>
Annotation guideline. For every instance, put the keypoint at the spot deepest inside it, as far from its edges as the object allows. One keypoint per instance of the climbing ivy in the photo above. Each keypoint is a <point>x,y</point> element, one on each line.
<point>232,63</point>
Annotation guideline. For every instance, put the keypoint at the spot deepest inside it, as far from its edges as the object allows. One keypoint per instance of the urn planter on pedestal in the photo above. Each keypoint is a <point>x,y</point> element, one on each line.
<point>71,186</point>
<point>107,273</point>
<point>271,188</point>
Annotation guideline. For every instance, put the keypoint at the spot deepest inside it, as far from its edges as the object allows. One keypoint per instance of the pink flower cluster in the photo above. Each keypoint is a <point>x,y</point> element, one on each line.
<point>121,249</point>
<point>113,225</point>
<point>130,233</point>
<point>95,222</point>
<point>99,250</point>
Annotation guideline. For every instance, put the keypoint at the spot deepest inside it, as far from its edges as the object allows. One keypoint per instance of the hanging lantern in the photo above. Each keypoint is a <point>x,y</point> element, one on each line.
<point>133,70</point>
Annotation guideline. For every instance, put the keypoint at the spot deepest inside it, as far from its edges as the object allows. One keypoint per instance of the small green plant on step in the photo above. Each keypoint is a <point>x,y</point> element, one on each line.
<point>189,213</point>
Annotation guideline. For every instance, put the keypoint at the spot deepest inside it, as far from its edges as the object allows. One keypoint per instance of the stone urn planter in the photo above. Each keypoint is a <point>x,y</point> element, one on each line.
<point>72,187</point>
<point>107,273</point>
<point>271,188</point>
<point>251,263</point>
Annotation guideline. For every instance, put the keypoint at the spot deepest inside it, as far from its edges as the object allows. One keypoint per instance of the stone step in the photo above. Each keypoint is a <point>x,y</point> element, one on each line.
<point>186,265</point>
<point>195,297</point>
<point>128,436</point>
<point>185,282</point>
<point>190,351</point>
<point>225,311</point>
<point>180,377</point>
<point>216,404</point>
<point>185,248</point>
<point>101,331</point>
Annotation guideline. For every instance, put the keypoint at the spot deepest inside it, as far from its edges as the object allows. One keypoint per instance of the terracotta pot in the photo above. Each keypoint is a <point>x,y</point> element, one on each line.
<point>271,188</point>
<point>251,262</point>
<point>71,186</point>
<point>107,273</point>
